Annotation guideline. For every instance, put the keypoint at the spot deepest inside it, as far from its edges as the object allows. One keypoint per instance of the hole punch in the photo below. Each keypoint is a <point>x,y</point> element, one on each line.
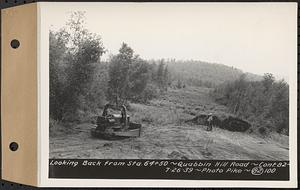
<point>15,44</point>
<point>13,146</point>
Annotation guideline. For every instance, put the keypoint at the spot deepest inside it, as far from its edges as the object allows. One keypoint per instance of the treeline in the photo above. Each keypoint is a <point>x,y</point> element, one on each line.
<point>264,103</point>
<point>203,74</point>
<point>80,83</point>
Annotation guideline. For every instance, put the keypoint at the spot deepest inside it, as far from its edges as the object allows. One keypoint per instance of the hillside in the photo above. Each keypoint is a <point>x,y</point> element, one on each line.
<point>194,72</point>
<point>165,135</point>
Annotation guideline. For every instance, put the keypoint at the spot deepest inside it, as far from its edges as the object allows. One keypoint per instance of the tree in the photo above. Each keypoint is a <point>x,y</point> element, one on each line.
<point>278,109</point>
<point>79,50</point>
<point>96,94</point>
<point>268,80</point>
<point>166,78</point>
<point>57,52</point>
<point>82,71</point>
<point>129,76</point>
<point>119,74</point>
<point>179,83</point>
<point>138,78</point>
<point>160,75</point>
<point>265,103</point>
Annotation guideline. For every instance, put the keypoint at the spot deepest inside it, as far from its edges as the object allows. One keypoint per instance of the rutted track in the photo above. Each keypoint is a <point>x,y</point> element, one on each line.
<point>168,142</point>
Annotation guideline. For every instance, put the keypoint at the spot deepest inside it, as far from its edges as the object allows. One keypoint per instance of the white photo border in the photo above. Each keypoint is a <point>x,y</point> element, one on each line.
<point>45,9</point>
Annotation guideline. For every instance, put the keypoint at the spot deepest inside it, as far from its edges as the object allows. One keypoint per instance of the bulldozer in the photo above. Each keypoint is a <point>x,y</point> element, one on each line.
<point>115,126</point>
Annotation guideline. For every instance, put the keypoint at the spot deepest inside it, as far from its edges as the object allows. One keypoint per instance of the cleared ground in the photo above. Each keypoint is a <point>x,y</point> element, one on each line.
<point>165,135</point>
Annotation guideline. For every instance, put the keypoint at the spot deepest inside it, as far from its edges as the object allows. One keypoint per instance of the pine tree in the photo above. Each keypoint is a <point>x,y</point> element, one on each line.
<point>160,75</point>
<point>166,78</point>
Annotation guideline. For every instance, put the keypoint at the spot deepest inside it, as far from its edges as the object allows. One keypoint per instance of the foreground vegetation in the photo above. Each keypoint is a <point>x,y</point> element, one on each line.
<point>264,103</point>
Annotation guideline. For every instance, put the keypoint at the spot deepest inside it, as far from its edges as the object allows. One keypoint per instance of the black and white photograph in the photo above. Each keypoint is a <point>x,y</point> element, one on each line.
<point>171,81</point>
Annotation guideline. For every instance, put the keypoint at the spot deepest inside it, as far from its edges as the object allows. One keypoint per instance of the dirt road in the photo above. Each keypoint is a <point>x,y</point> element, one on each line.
<point>168,142</point>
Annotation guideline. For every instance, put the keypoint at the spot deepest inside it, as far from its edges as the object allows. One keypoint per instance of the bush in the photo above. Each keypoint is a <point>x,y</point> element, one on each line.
<point>262,131</point>
<point>147,119</point>
<point>151,91</point>
<point>75,116</point>
<point>57,128</point>
<point>53,123</point>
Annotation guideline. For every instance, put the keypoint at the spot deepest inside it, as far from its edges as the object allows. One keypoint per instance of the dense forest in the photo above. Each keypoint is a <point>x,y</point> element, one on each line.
<point>199,73</point>
<point>81,83</point>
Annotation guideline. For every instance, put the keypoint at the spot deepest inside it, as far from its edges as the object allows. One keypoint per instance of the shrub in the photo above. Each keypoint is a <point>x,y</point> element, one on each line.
<point>262,131</point>
<point>151,91</point>
<point>53,123</point>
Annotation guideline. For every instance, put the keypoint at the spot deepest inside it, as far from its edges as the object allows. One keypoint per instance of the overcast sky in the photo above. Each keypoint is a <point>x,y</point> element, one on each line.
<point>254,37</point>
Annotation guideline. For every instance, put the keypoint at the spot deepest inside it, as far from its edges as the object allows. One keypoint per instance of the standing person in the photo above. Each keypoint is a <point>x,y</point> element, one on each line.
<point>210,122</point>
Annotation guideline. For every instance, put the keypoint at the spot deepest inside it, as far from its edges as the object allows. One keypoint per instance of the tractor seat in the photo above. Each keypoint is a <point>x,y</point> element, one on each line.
<point>117,116</point>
